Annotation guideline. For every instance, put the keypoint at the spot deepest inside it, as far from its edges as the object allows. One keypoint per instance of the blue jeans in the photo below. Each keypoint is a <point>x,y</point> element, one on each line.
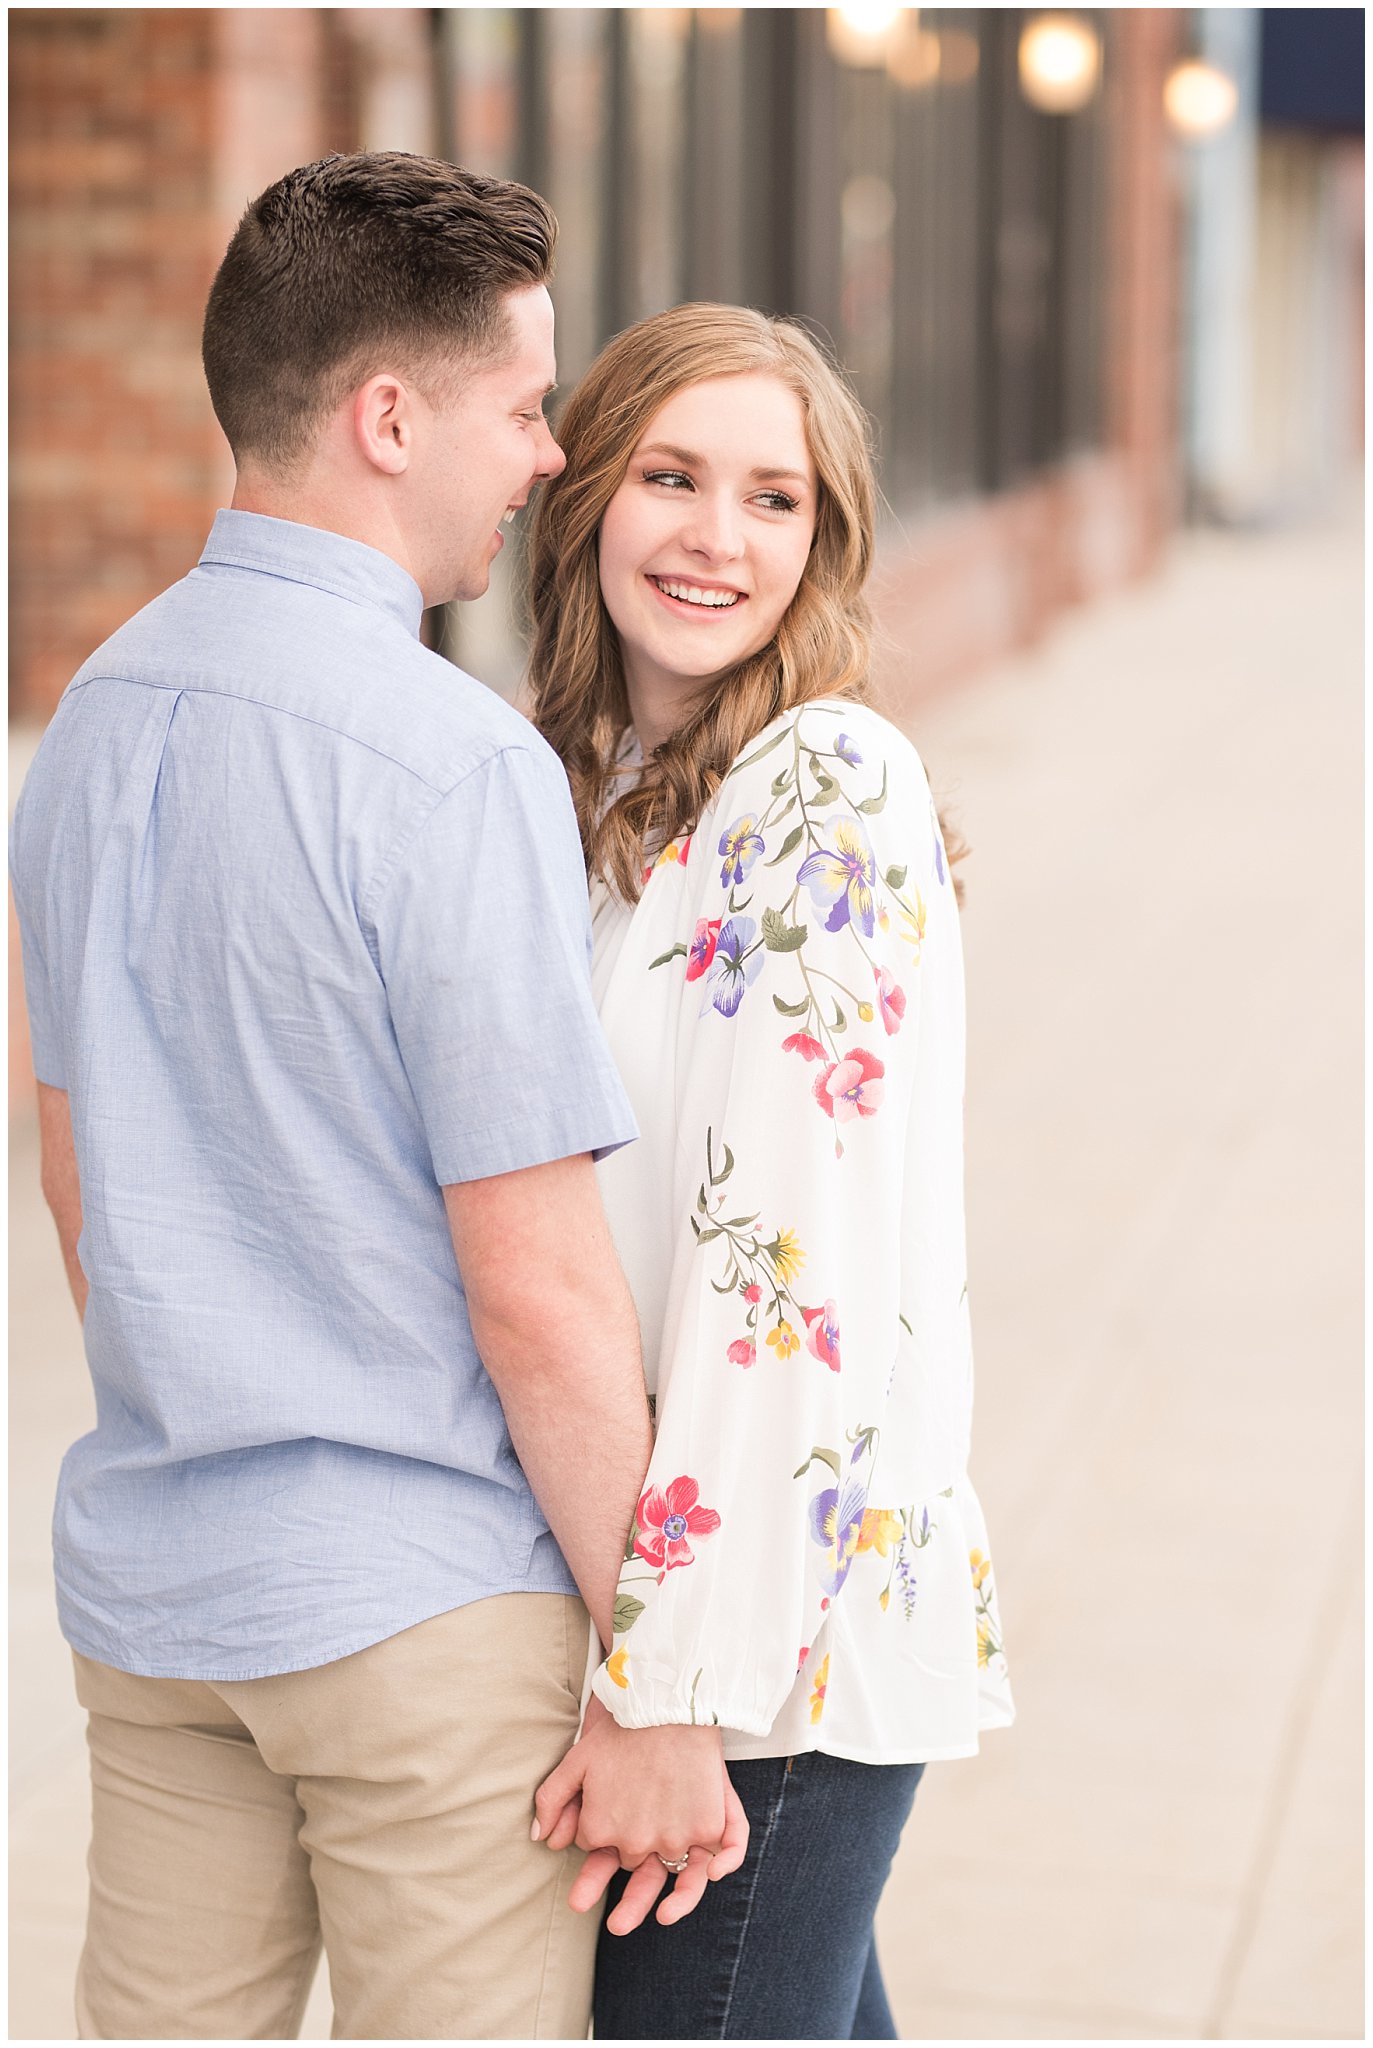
<point>783,1949</point>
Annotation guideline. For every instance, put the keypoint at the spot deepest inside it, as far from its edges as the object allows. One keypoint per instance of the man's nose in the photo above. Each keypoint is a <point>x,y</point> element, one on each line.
<point>552,462</point>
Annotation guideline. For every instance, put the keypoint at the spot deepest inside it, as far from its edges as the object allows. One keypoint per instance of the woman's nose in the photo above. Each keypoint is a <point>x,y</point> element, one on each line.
<point>714,529</point>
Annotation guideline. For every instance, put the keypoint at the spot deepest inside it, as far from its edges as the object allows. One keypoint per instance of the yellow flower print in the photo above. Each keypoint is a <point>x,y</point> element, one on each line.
<point>865,1013</point>
<point>615,1668</point>
<point>784,1340</point>
<point>988,1628</point>
<point>817,1697</point>
<point>787,1258</point>
<point>884,1598</point>
<point>914,922</point>
<point>881,1528</point>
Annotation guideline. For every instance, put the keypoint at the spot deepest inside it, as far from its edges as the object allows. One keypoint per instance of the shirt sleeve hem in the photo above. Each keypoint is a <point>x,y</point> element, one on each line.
<point>507,1148</point>
<point>49,1072</point>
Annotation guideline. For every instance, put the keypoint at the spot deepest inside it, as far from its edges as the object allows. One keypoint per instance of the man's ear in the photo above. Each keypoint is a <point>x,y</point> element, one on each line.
<point>384,423</point>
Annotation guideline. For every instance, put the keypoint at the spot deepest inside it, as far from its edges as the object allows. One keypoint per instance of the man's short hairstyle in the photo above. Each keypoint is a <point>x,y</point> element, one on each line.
<point>358,264</point>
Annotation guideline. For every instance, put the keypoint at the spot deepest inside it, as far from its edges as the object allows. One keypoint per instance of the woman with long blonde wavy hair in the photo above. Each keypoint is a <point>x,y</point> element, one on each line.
<point>778,969</point>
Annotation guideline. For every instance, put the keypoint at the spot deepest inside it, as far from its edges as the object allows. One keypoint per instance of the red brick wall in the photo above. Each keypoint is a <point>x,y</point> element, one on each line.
<point>137,136</point>
<point>114,461</point>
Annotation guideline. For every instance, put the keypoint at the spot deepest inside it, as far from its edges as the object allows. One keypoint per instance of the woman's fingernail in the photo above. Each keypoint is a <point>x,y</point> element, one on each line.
<point>536,1833</point>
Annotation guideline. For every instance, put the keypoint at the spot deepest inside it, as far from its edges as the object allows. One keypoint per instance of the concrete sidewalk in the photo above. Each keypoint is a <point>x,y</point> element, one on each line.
<point>1164,954</point>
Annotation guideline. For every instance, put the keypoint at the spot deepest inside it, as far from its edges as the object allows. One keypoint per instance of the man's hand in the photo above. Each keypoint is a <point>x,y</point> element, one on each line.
<point>631,1795</point>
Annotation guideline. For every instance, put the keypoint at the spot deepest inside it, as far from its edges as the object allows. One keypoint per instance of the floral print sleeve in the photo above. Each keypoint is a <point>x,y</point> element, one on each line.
<point>795,963</point>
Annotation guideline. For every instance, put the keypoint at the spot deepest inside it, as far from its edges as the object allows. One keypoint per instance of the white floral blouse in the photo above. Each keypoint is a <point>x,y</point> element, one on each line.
<point>808,1565</point>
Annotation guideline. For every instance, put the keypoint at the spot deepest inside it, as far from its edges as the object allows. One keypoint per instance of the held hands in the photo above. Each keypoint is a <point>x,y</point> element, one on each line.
<point>631,1795</point>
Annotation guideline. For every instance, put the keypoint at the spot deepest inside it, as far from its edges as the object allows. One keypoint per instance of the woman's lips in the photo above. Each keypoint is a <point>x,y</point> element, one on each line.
<point>682,607</point>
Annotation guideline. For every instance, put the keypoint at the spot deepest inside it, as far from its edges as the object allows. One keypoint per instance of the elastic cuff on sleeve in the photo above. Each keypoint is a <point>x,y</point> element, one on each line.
<point>675,1704</point>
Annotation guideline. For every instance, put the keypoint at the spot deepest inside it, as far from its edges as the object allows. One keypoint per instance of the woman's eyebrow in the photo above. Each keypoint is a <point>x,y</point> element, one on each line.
<point>692,461</point>
<point>683,455</point>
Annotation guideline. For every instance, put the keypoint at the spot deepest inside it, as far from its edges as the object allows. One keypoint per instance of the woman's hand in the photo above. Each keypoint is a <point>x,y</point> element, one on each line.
<point>632,1795</point>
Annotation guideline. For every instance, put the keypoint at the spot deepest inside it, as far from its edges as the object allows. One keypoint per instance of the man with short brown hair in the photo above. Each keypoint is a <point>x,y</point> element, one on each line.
<point>321,1083</point>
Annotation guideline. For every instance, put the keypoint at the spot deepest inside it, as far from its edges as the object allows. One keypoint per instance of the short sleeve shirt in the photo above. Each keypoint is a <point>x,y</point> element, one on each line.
<point>305,937</point>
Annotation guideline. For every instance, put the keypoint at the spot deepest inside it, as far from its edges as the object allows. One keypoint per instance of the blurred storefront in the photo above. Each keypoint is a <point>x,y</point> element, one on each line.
<point>1069,312</point>
<point>1274,332</point>
<point>999,280</point>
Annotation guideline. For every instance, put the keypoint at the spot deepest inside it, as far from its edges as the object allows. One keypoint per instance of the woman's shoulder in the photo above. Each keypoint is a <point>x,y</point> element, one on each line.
<point>840,743</point>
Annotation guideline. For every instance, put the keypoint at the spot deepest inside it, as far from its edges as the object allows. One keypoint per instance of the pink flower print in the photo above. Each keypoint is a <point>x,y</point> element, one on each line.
<point>701,951</point>
<point>665,1517</point>
<point>802,1042</point>
<point>891,1000</point>
<point>822,1334</point>
<point>753,1292</point>
<point>741,1352</point>
<point>840,878</point>
<point>851,1087</point>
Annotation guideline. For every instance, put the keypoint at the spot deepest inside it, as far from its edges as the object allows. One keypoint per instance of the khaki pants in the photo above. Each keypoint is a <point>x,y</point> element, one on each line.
<point>380,1804</point>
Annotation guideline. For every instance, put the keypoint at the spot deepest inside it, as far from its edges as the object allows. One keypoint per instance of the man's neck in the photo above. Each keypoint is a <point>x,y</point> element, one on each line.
<point>310,504</point>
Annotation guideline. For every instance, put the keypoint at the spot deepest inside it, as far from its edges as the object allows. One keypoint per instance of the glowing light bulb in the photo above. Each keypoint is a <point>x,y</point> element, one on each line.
<point>862,33</point>
<point>1199,100</point>
<point>1060,63</point>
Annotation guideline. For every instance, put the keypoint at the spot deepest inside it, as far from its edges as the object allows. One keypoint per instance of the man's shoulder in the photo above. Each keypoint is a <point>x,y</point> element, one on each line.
<point>336,668</point>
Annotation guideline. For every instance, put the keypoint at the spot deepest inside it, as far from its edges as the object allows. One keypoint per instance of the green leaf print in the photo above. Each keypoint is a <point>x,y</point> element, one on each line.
<point>873,804</point>
<point>789,845</point>
<point>766,748</point>
<point>779,936</point>
<point>627,1610</point>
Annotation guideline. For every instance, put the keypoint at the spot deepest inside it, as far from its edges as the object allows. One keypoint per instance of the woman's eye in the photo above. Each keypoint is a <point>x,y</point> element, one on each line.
<point>675,479</point>
<point>777,501</point>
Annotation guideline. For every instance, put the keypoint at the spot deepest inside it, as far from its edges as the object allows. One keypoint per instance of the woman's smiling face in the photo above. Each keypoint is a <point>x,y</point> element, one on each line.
<point>704,543</point>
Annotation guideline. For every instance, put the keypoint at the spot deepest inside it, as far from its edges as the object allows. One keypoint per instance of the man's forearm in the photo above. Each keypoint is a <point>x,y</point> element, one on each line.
<point>578,1418</point>
<point>61,1183</point>
<point>563,1353</point>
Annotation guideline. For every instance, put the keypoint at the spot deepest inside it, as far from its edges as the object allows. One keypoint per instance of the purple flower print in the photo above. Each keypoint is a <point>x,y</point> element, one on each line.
<point>847,751</point>
<point>836,1521</point>
<point>840,878</point>
<point>740,843</point>
<point>733,967</point>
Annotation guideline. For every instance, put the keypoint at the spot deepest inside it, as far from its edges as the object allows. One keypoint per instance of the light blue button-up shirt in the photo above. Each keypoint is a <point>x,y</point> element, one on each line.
<point>305,937</point>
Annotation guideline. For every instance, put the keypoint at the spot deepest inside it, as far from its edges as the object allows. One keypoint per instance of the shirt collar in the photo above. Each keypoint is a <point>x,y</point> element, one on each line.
<point>311,554</point>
